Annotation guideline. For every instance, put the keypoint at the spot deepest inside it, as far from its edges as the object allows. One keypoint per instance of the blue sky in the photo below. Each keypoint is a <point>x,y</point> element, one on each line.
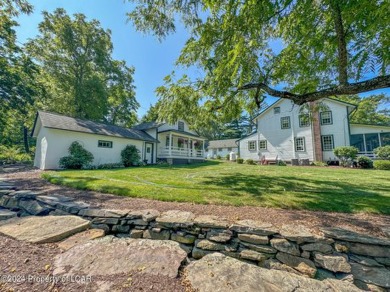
<point>153,60</point>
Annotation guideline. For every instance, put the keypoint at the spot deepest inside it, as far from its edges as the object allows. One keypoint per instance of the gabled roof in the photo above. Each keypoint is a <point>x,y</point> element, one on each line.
<point>61,122</point>
<point>281,99</point>
<point>228,143</point>
<point>147,125</point>
<point>184,133</point>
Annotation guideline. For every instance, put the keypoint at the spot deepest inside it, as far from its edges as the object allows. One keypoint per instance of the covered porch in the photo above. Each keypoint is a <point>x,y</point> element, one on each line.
<point>175,144</point>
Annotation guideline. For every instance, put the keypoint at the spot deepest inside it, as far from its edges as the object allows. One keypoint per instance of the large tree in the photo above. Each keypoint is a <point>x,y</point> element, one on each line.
<point>327,48</point>
<point>19,88</point>
<point>373,109</point>
<point>81,77</point>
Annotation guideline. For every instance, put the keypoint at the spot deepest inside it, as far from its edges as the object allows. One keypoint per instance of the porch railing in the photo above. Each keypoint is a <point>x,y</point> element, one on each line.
<point>182,152</point>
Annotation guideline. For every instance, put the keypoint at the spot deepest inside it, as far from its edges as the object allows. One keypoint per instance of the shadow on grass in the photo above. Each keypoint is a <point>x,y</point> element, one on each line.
<point>305,193</point>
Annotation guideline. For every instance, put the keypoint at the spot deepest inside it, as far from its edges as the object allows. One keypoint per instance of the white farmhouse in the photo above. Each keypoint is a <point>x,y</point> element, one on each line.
<point>287,133</point>
<point>221,147</point>
<point>55,132</point>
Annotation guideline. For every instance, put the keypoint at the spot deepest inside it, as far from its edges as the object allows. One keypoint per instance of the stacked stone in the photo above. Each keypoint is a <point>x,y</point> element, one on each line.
<point>335,254</point>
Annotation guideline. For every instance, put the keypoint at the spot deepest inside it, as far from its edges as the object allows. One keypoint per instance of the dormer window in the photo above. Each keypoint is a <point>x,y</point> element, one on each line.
<point>277,110</point>
<point>180,126</point>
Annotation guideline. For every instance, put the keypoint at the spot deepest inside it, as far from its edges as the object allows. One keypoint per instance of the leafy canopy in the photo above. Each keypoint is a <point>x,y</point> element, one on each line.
<point>323,48</point>
<point>81,77</point>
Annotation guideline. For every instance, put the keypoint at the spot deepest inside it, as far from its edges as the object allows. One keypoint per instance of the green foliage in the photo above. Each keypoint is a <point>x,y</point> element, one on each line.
<point>383,152</point>
<point>219,157</point>
<point>281,163</point>
<point>364,162</point>
<point>319,163</point>
<point>240,160</point>
<point>83,80</point>
<point>382,164</point>
<point>250,162</point>
<point>369,109</point>
<point>110,166</point>
<point>345,153</point>
<point>320,44</point>
<point>78,158</point>
<point>19,88</point>
<point>130,156</point>
<point>227,156</point>
<point>11,155</point>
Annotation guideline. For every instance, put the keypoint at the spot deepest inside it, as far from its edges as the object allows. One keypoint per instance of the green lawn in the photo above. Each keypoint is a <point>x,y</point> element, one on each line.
<point>310,188</point>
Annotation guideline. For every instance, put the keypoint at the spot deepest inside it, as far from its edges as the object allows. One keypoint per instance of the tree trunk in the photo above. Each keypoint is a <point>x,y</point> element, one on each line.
<point>25,140</point>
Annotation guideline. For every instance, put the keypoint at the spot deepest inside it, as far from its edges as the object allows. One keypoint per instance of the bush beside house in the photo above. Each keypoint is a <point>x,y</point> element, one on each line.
<point>383,152</point>
<point>78,158</point>
<point>345,154</point>
<point>130,156</point>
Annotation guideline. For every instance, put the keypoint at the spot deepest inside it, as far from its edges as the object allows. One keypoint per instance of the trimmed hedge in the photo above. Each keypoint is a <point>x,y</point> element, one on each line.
<point>382,164</point>
<point>240,160</point>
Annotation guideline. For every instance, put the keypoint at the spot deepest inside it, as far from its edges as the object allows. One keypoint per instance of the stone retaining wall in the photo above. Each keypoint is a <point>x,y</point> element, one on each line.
<point>335,253</point>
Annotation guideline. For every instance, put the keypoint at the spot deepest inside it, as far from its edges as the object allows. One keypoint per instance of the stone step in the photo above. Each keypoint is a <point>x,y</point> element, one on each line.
<point>7,214</point>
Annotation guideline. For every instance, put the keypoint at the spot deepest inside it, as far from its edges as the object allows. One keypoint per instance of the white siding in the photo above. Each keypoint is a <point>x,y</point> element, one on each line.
<point>339,127</point>
<point>52,144</point>
<point>166,127</point>
<point>222,153</point>
<point>244,152</point>
<point>280,142</point>
<point>368,129</point>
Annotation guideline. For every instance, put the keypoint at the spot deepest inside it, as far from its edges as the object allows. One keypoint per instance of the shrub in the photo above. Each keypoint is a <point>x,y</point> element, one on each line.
<point>228,156</point>
<point>281,163</point>
<point>110,165</point>
<point>219,157</point>
<point>240,160</point>
<point>130,156</point>
<point>364,162</point>
<point>382,164</point>
<point>319,163</point>
<point>250,162</point>
<point>345,153</point>
<point>383,152</point>
<point>78,158</point>
<point>10,155</point>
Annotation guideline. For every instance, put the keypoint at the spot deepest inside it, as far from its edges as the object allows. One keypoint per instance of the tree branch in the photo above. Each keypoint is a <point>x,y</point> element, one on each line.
<point>350,88</point>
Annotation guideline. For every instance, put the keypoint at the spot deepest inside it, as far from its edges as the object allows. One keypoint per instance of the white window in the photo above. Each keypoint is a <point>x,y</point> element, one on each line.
<point>104,144</point>
<point>327,142</point>
<point>229,148</point>
<point>167,142</point>
<point>262,144</point>
<point>277,110</point>
<point>285,122</point>
<point>300,144</point>
<point>220,149</point>
<point>304,120</point>
<point>326,118</point>
<point>180,126</point>
<point>252,145</point>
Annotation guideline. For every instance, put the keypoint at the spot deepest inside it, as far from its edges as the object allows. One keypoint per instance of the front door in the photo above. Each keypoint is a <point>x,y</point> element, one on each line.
<point>149,153</point>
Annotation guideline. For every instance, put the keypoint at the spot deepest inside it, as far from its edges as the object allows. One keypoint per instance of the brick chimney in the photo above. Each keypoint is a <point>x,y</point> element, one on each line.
<point>316,129</point>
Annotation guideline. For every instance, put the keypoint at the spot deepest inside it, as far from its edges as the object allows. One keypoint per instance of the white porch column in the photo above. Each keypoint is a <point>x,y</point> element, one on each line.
<point>170,144</point>
<point>189,147</point>
<point>203,153</point>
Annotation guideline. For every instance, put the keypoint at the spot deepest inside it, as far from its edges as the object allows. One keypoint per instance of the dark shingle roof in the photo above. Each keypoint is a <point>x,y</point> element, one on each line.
<point>57,121</point>
<point>228,143</point>
<point>147,125</point>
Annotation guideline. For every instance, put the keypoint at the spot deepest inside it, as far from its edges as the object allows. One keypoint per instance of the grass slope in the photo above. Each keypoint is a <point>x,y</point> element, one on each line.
<point>309,188</point>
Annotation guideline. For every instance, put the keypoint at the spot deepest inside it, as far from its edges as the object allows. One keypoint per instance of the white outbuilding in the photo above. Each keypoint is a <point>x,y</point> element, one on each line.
<point>55,133</point>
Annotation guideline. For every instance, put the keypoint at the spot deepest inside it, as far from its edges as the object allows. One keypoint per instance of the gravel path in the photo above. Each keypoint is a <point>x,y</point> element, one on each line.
<point>365,223</point>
